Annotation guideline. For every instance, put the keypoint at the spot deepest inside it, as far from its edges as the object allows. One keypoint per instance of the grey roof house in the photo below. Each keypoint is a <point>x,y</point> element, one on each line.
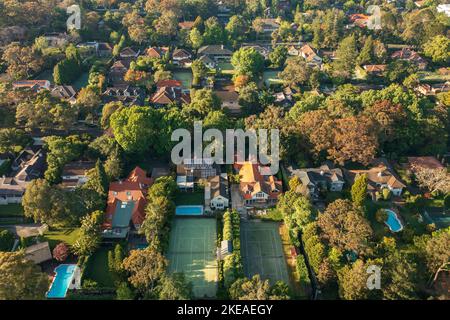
<point>314,180</point>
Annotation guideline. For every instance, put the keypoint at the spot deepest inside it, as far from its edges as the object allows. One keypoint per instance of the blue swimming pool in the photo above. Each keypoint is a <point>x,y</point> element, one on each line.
<point>189,210</point>
<point>393,222</point>
<point>62,281</point>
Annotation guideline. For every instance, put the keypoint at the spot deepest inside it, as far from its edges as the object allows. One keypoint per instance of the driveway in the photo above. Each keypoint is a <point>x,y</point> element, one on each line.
<point>237,202</point>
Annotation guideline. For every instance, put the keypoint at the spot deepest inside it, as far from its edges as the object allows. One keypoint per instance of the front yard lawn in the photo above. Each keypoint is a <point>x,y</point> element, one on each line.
<point>67,235</point>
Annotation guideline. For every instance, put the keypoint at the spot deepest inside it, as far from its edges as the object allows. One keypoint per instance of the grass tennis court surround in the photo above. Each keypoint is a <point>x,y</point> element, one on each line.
<point>262,251</point>
<point>192,251</point>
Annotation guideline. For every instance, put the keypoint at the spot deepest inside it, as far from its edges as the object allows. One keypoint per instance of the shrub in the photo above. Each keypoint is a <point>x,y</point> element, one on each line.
<point>6,240</point>
<point>386,193</point>
<point>381,215</point>
<point>302,270</point>
<point>447,201</point>
<point>61,252</point>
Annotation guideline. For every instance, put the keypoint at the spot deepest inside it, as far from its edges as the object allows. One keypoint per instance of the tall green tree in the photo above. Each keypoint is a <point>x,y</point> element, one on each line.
<point>359,190</point>
<point>98,179</point>
<point>248,61</point>
<point>346,55</point>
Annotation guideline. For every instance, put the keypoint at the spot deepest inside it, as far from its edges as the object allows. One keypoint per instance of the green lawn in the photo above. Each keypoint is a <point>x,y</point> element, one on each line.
<point>10,210</point>
<point>67,235</point>
<point>190,198</point>
<point>97,269</point>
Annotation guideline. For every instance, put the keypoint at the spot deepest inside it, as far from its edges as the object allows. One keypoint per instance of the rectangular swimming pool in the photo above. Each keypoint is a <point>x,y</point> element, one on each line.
<point>189,210</point>
<point>61,282</point>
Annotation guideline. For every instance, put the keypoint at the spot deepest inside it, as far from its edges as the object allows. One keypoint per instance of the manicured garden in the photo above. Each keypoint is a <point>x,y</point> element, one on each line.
<point>97,269</point>
<point>190,198</point>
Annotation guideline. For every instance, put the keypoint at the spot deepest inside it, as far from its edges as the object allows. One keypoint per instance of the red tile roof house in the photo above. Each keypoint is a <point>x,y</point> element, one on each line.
<point>359,19</point>
<point>411,56</point>
<point>125,209</point>
<point>375,69</point>
<point>186,25</point>
<point>156,52</point>
<point>169,92</point>
<point>182,57</point>
<point>257,190</point>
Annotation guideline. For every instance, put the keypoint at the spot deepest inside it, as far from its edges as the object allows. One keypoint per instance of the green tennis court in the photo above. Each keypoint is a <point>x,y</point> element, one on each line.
<point>262,251</point>
<point>192,251</point>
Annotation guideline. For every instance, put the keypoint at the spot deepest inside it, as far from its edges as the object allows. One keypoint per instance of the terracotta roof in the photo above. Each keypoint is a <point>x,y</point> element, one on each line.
<point>134,188</point>
<point>32,84</point>
<point>166,95</point>
<point>169,83</point>
<point>374,67</point>
<point>186,24</point>
<point>156,52</point>
<point>252,181</point>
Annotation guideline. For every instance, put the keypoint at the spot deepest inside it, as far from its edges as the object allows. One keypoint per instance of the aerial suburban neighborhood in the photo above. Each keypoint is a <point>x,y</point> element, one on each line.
<point>351,96</point>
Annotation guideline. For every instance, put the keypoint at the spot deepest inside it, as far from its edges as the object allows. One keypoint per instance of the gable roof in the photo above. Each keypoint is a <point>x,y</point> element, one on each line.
<point>64,92</point>
<point>380,174</point>
<point>375,68</point>
<point>167,94</point>
<point>181,54</point>
<point>218,186</point>
<point>326,173</point>
<point>35,85</point>
<point>216,49</point>
<point>156,52</point>
<point>128,199</point>
<point>128,53</point>
<point>187,25</point>
<point>252,181</point>
<point>39,252</point>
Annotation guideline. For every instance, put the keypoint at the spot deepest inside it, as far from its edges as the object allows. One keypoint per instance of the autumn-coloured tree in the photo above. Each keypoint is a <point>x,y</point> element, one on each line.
<point>61,252</point>
<point>354,139</point>
<point>22,61</point>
